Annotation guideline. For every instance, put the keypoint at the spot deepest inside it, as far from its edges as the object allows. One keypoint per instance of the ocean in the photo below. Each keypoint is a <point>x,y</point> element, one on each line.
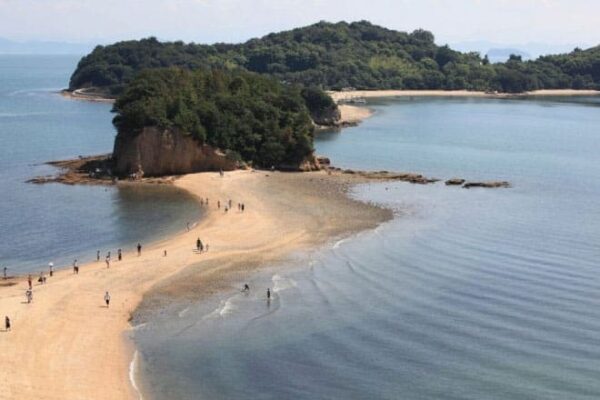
<point>465,294</point>
<point>54,222</point>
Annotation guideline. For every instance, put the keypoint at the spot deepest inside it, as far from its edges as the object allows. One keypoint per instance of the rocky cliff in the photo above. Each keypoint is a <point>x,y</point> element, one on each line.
<point>156,152</point>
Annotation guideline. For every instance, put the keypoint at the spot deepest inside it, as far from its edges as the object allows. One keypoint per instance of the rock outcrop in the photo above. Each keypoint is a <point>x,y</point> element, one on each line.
<point>455,182</point>
<point>329,117</point>
<point>157,152</point>
<point>489,185</point>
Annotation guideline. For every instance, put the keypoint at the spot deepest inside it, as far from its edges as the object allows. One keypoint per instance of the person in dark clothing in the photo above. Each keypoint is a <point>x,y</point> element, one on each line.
<point>139,249</point>
<point>98,255</point>
<point>119,254</point>
<point>268,294</point>
<point>6,323</point>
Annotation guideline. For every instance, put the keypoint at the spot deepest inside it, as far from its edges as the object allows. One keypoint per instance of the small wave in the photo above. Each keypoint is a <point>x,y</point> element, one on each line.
<point>225,308</point>
<point>280,283</point>
<point>138,327</point>
<point>183,312</point>
<point>133,366</point>
<point>340,242</point>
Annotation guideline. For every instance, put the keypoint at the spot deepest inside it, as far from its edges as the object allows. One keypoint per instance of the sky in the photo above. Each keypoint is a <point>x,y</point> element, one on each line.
<point>556,22</point>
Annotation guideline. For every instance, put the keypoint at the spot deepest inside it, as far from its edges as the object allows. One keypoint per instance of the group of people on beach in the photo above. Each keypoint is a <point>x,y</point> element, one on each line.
<point>42,279</point>
<point>229,204</point>
<point>200,247</point>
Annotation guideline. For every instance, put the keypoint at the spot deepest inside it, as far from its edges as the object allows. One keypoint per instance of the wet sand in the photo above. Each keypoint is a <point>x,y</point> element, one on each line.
<point>68,345</point>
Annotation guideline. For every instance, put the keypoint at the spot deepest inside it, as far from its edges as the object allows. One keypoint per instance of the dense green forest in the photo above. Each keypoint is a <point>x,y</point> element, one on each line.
<point>253,117</point>
<point>334,56</point>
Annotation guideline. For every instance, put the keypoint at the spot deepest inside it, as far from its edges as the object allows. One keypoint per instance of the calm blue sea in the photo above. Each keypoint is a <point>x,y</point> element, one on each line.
<point>467,294</point>
<point>57,223</point>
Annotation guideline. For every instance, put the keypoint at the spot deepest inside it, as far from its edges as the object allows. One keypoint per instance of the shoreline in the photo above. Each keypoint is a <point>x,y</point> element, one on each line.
<point>86,95</point>
<point>67,316</point>
<point>352,114</point>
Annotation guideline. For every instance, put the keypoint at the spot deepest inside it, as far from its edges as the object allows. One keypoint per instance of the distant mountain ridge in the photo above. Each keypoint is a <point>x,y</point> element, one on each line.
<point>339,55</point>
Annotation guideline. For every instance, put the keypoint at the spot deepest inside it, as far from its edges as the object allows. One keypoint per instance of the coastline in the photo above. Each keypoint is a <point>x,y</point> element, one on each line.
<point>354,114</point>
<point>69,341</point>
<point>86,95</point>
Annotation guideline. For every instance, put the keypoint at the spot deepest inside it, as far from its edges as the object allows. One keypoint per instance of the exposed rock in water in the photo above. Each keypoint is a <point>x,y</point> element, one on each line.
<point>88,170</point>
<point>323,161</point>
<point>393,176</point>
<point>455,181</point>
<point>157,152</point>
<point>491,184</point>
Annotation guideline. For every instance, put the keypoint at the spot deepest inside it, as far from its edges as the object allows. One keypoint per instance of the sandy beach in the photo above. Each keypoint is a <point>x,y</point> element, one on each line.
<point>347,95</point>
<point>354,114</point>
<point>68,345</point>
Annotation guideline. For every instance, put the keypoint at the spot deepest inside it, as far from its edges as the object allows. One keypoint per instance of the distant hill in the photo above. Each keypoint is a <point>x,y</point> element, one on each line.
<point>335,56</point>
<point>37,47</point>
<point>503,54</point>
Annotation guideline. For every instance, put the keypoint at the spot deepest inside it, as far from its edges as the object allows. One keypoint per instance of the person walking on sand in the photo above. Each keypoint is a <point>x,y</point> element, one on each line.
<point>107,299</point>
<point>75,267</point>
<point>219,204</point>
<point>97,255</point>
<point>139,249</point>
<point>6,324</point>
<point>51,268</point>
<point>29,281</point>
<point>199,245</point>
<point>119,254</point>
<point>29,296</point>
<point>107,261</point>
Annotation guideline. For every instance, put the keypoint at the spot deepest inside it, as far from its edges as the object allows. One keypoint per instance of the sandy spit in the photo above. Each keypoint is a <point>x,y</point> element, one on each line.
<point>68,345</point>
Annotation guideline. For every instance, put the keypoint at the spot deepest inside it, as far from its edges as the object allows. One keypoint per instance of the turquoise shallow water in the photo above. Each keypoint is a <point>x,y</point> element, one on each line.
<point>43,223</point>
<point>466,294</point>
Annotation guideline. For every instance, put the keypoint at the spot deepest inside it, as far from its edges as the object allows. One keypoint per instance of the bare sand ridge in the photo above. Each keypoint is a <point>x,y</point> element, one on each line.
<point>67,345</point>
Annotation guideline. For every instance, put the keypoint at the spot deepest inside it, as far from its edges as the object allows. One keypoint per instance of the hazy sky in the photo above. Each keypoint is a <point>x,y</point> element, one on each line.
<point>502,21</point>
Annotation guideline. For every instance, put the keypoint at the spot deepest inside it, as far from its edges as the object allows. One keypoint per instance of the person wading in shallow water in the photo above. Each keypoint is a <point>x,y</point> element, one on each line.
<point>268,294</point>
